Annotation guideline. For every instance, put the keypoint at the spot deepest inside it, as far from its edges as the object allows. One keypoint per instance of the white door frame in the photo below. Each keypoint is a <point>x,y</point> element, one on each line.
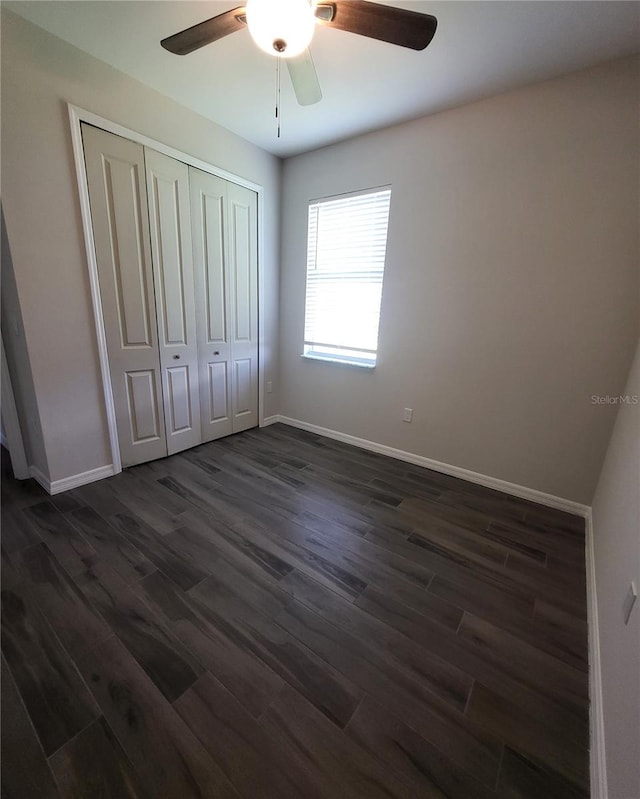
<point>78,115</point>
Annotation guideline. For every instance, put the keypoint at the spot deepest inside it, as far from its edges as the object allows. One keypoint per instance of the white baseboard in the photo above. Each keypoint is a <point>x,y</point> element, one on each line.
<point>74,481</point>
<point>269,420</point>
<point>597,754</point>
<point>41,478</point>
<point>532,494</point>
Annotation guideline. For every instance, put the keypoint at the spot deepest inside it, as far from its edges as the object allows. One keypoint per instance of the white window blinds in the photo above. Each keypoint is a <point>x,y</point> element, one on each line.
<point>346,246</point>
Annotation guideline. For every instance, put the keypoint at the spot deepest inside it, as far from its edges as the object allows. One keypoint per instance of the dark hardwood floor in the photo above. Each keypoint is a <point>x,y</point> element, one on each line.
<point>281,615</point>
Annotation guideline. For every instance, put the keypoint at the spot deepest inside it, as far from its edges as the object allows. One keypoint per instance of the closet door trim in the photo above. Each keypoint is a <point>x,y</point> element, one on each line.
<point>78,115</point>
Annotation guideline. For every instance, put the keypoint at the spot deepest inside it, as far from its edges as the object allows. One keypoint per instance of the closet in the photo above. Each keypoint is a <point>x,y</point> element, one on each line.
<point>176,251</point>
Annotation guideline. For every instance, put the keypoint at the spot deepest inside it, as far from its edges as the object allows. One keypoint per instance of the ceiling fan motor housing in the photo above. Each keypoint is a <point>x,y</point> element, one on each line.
<point>281,27</point>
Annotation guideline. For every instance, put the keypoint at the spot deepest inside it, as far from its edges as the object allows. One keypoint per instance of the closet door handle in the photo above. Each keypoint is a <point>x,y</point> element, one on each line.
<point>216,352</point>
<point>176,357</point>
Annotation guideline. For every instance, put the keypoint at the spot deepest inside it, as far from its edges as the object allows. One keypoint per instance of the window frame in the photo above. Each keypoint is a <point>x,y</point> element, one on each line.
<point>328,353</point>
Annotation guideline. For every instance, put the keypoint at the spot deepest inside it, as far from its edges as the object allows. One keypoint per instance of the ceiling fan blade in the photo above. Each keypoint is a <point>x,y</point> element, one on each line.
<point>205,32</point>
<point>394,25</point>
<point>304,78</point>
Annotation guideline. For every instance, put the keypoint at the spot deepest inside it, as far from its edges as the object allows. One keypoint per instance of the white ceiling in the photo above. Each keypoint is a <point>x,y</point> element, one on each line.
<point>480,49</point>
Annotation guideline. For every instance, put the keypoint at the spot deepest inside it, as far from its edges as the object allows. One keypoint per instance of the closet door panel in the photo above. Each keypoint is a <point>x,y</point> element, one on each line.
<point>179,395</point>
<point>242,387</point>
<point>218,386</point>
<point>118,199</point>
<point>143,404</point>
<point>242,259</point>
<point>214,274</point>
<point>170,224</point>
<point>208,203</point>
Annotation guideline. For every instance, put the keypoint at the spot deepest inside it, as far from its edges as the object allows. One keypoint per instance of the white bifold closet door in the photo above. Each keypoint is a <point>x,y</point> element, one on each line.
<point>224,225</point>
<point>170,224</point>
<point>177,260</point>
<point>118,198</point>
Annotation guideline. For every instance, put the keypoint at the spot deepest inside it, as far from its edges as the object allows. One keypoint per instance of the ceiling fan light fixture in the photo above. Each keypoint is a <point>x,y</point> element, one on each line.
<point>281,27</point>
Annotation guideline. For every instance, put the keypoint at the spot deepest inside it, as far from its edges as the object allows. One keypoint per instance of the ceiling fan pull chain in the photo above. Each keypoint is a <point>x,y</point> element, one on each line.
<point>278,60</point>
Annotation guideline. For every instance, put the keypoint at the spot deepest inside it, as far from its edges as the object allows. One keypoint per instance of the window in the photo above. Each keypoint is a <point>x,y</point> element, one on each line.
<point>346,245</point>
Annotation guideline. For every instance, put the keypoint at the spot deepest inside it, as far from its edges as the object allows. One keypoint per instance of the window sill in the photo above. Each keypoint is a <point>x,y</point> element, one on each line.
<point>339,361</point>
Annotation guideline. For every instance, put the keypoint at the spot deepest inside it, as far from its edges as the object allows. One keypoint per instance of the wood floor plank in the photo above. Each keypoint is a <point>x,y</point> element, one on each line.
<point>65,607</point>
<point>352,553</point>
<point>339,765</point>
<point>421,511</point>
<point>329,571</point>
<point>145,499</point>
<point>431,671</point>
<point>562,634</point>
<point>221,553</point>
<point>66,543</point>
<point>554,542</point>
<point>557,520</point>
<point>488,601</point>
<point>440,546</point>
<point>554,741</point>
<point>93,764</point>
<point>468,656</point>
<point>398,486</point>
<point>22,493</point>
<point>547,674</point>
<point>206,541</point>
<point>57,700</point>
<point>560,591</point>
<point>249,756</point>
<point>423,603</point>
<point>162,656</point>
<point>491,503</point>
<point>515,543</point>
<point>18,532</point>
<point>66,502</point>
<point>111,547</point>
<point>10,576</point>
<point>100,496</point>
<point>247,677</point>
<point>524,778</point>
<point>202,493</point>
<point>258,584</point>
<point>335,695</point>
<point>441,535</point>
<point>418,762</point>
<point>168,757</point>
<point>321,524</point>
<point>475,749</point>
<point>25,771</point>
<point>279,496</point>
<point>184,571</point>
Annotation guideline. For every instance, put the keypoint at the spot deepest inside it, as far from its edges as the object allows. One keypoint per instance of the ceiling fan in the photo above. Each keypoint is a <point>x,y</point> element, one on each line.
<point>285,28</point>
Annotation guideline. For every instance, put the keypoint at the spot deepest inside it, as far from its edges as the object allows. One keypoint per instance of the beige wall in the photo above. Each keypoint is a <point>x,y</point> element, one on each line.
<point>616,542</point>
<point>40,74</point>
<point>511,285</point>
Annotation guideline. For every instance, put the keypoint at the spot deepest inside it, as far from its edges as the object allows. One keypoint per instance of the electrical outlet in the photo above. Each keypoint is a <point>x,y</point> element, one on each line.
<point>407,415</point>
<point>269,386</point>
<point>629,602</point>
